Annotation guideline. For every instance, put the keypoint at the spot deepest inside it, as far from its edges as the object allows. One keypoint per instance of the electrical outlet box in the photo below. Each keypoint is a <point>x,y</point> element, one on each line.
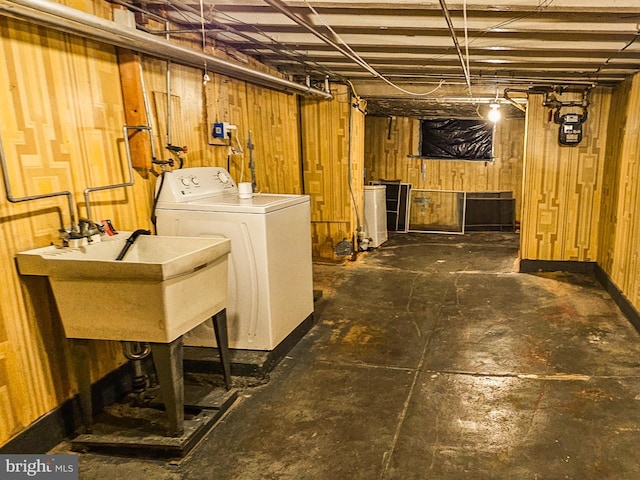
<point>221,133</point>
<point>218,130</point>
<point>222,129</point>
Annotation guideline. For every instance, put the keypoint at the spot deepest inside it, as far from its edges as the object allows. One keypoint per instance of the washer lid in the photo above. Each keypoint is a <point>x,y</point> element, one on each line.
<point>259,203</point>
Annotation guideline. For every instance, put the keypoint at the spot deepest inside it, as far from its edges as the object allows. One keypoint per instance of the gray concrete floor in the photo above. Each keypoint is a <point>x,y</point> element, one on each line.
<point>433,359</point>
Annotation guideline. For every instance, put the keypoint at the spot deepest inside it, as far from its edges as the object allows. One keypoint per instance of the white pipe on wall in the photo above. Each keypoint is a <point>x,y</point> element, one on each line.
<point>70,20</point>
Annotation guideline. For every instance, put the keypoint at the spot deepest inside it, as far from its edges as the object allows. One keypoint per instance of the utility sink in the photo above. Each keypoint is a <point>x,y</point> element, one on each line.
<point>164,287</point>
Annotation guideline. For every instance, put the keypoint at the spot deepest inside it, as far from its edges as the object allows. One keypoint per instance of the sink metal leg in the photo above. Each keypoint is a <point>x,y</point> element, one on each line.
<point>222,338</point>
<point>82,366</point>
<point>167,358</point>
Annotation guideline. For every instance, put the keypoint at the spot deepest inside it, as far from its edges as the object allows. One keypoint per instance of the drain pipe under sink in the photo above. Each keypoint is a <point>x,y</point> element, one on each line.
<point>135,351</point>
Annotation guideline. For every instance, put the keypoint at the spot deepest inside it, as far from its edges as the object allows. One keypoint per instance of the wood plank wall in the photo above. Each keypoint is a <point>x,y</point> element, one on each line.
<point>390,141</point>
<point>60,122</point>
<point>357,136</point>
<point>563,184</point>
<point>275,124</point>
<point>271,116</point>
<point>332,143</point>
<point>61,128</point>
<point>619,234</point>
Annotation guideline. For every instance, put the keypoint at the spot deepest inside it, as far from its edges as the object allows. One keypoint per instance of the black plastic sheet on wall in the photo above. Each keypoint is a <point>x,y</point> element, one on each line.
<point>456,139</point>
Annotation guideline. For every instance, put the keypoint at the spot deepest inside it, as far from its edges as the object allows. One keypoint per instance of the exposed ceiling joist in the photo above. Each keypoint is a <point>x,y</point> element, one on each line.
<point>413,44</point>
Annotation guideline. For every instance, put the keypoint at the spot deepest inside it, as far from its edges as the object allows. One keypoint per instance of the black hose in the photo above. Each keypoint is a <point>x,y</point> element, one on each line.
<point>129,242</point>
<point>154,217</point>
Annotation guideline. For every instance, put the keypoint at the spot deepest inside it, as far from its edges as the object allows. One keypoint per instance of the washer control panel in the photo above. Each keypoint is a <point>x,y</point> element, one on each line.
<point>193,183</point>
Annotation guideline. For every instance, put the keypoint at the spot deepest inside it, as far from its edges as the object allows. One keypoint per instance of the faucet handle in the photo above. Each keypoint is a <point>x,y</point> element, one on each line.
<point>88,228</point>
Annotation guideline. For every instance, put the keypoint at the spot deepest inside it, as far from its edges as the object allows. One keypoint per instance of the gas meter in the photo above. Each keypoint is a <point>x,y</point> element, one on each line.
<point>570,132</point>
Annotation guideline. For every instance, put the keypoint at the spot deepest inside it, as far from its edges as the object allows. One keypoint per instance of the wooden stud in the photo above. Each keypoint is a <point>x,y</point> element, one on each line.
<point>134,109</point>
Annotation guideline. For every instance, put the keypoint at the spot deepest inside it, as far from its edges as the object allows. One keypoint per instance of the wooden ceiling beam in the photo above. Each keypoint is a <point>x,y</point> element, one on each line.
<point>505,52</point>
<point>411,63</point>
<point>418,9</point>
<point>421,31</point>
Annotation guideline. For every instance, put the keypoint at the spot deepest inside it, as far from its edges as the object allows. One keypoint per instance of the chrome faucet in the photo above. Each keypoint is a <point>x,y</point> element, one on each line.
<point>88,228</point>
<point>85,229</point>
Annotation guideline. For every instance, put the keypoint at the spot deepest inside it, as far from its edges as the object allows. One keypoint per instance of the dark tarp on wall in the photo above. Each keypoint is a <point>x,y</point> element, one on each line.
<point>456,139</point>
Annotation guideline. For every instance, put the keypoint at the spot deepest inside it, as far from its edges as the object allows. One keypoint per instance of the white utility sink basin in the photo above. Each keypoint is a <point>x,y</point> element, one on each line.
<point>164,287</point>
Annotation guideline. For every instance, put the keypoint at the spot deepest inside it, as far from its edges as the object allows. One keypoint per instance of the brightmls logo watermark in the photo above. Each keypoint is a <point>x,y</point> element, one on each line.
<point>49,467</point>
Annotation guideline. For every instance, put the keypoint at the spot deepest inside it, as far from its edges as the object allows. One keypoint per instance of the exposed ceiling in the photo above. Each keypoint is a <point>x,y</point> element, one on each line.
<point>428,58</point>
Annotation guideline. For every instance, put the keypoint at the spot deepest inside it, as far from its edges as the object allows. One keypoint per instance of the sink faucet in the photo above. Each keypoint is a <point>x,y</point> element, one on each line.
<point>89,228</point>
<point>85,229</point>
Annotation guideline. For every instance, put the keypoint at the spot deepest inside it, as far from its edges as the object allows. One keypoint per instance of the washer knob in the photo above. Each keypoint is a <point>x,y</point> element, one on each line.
<point>223,177</point>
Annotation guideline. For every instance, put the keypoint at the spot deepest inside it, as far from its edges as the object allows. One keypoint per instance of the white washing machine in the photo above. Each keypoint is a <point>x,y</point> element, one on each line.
<point>270,269</point>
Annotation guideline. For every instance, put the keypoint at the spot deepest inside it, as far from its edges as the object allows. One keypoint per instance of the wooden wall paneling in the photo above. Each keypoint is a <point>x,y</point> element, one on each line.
<point>589,174</point>
<point>52,141</point>
<point>387,153</point>
<point>154,80</point>
<point>226,101</point>
<point>240,115</point>
<point>325,140</point>
<point>387,142</point>
<point>217,101</point>
<point>187,117</point>
<point>562,185</point>
<point>540,222</point>
<point>172,120</point>
<point>99,9</point>
<point>236,114</point>
<point>632,285</point>
<point>273,120</point>
<point>101,151</point>
<point>66,133</point>
<point>356,152</point>
<point>218,93</point>
<point>276,135</point>
<point>625,233</point>
<point>611,175</point>
<point>507,169</point>
<point>134,107</point>
<point>265,123</point>
<point>272,117</point>
<point>22,377</point>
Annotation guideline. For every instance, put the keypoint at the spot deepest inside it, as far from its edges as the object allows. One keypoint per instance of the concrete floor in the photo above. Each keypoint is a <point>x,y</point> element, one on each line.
<point>433,359</point>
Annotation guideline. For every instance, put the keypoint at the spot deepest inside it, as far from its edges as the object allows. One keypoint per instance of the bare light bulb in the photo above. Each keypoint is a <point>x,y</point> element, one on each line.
<point>494,114</point>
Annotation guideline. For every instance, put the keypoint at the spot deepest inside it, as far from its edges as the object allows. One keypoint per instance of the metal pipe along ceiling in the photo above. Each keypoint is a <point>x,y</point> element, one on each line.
<point>454,37</point>
<point>70,20</point>
<point>284,9</point>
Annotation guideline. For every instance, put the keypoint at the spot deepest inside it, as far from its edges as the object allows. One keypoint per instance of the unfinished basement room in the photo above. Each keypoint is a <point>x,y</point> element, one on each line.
<point>319,239</point>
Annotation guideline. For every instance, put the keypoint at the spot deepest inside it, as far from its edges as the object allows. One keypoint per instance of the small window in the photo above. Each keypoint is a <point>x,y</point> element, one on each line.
<point>456,139</point>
